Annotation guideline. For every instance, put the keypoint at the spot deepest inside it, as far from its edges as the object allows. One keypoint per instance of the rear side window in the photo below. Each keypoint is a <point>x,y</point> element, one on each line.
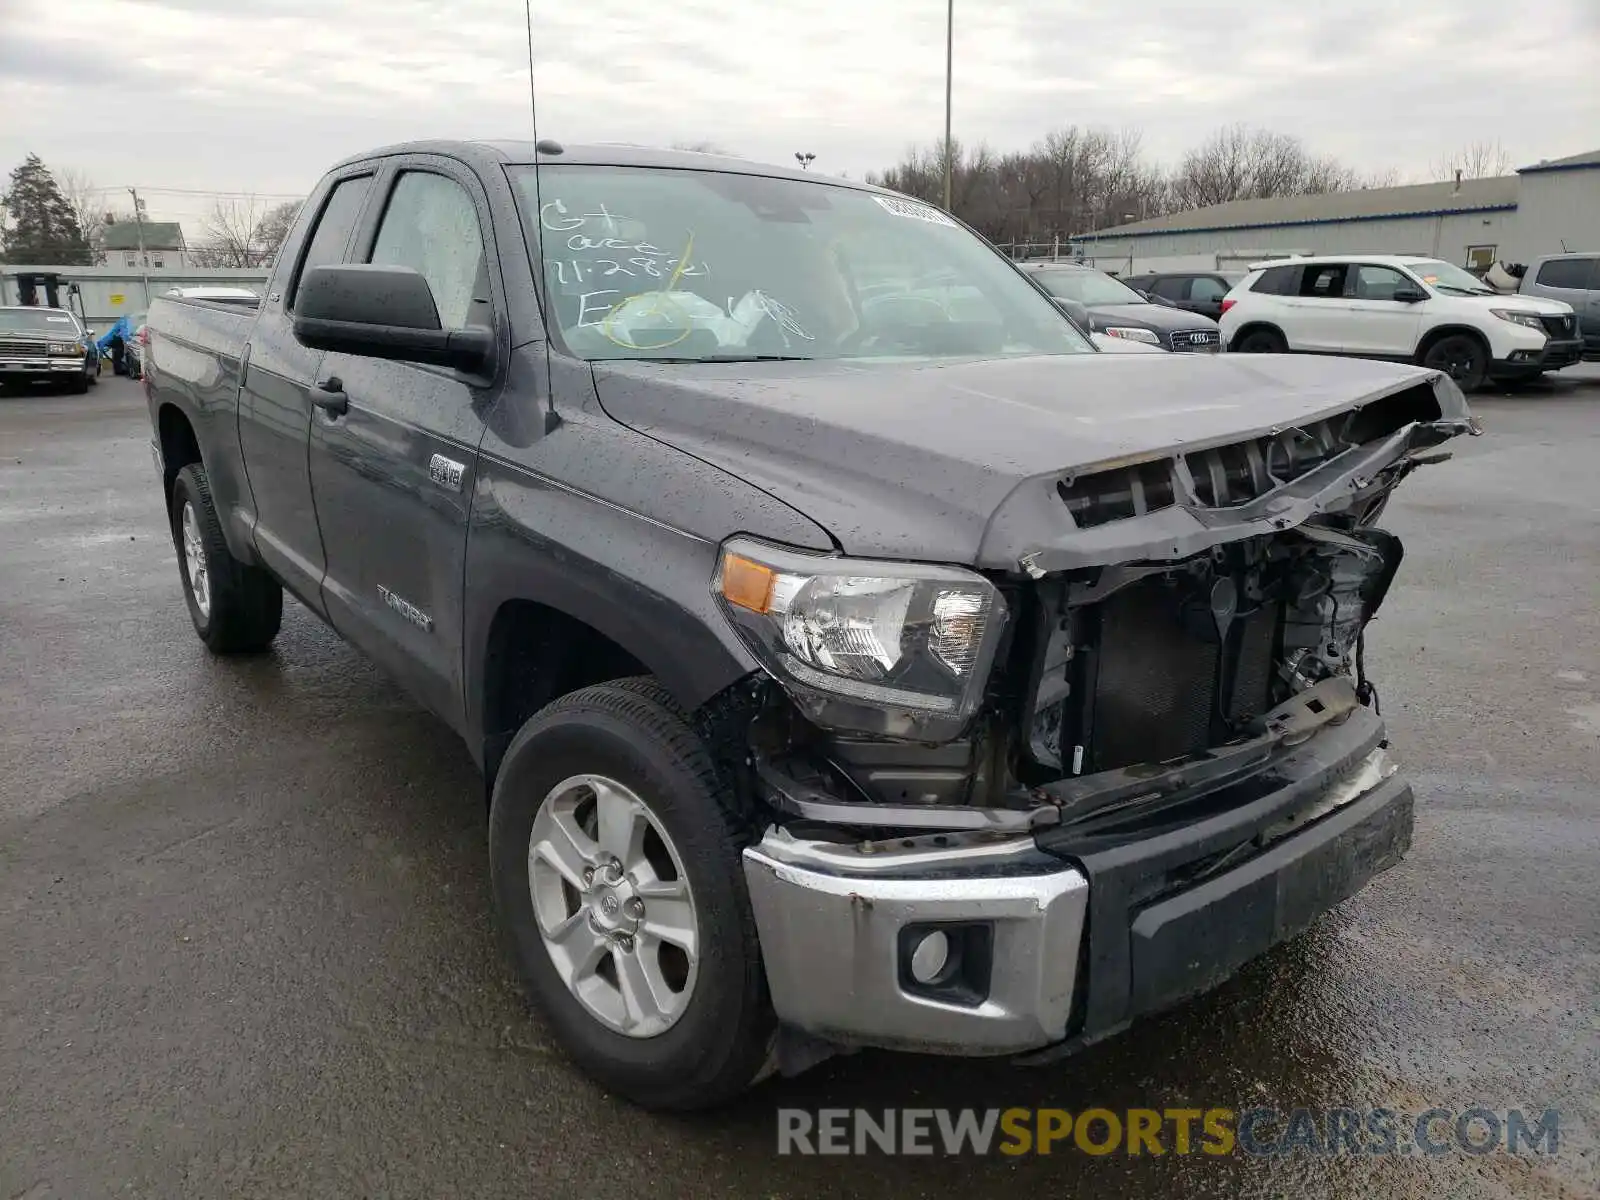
<point>1569,273</point>
<point>334,223</point>
<point>1206,287</point>
<point>431,226</point>
<point>1278,281</point>
<point>1172,287</point>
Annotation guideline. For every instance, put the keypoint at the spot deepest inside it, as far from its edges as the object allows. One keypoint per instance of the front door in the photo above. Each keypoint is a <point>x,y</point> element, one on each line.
<point>275,404</point>
<point>1378,323</point>
<point>393,474</point>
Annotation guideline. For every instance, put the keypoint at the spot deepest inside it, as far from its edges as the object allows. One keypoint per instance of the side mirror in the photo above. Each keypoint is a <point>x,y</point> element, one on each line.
<point>1410,295</point>
<point>1074,309</point>
<point>383,312</point>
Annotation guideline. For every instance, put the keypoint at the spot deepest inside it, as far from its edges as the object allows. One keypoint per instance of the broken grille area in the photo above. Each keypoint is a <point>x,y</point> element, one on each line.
<point>1225,476</point>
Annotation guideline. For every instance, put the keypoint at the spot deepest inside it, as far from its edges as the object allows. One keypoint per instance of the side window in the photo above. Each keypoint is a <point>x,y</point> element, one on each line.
<point>432,227</point>
<point>1323,281</point>
<point>1278,281</point>
<point>1206,288</point>
<point>334,223</point>
<point>1569,273</point>
<point>1377,283</point>
<point>1171,287</point>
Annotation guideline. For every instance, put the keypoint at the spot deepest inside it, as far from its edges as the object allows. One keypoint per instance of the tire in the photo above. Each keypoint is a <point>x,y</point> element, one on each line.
<point>631,734</point>
<point>242,606</point>
<point>1261,340</point>
<point>1462,357</point>
<point>79,385</point>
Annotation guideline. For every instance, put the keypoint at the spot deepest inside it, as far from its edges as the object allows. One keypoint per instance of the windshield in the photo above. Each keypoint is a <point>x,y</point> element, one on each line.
<point>38,320</point>
<point>715,266</point>
<point>1454,279</point>
<point>1087,287</point>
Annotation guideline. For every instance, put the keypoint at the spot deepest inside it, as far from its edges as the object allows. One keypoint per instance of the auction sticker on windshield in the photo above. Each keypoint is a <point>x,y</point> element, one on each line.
<point>917,212</point>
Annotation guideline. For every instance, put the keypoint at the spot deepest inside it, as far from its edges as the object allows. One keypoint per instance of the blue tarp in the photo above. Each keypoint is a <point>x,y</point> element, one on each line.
<point>122,329</point>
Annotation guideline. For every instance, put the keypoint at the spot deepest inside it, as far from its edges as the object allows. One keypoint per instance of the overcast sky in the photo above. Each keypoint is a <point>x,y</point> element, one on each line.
<point>262,95</point>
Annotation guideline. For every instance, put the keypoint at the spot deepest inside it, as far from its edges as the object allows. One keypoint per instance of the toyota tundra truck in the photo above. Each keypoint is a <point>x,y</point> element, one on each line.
<point>855,655</point>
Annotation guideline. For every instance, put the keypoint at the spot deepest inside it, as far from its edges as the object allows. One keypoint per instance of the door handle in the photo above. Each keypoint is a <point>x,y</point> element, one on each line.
<point>329,396</point>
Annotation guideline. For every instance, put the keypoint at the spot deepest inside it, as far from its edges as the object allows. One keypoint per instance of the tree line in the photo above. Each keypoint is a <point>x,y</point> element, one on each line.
<point>61,222</point>
<point>1076,180</point>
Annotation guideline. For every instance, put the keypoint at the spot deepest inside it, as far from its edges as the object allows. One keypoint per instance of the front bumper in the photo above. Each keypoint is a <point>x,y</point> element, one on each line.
<point>1552,356</point>
<point>1088,926</point>
<point>41,368</point>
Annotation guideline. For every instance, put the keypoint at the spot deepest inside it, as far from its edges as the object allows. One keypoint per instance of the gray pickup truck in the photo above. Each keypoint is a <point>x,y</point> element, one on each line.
<point>855,656</point>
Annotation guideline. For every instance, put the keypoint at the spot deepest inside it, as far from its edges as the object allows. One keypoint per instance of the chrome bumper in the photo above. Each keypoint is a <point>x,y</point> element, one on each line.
<point>837,923</point>
<point>41,366</point>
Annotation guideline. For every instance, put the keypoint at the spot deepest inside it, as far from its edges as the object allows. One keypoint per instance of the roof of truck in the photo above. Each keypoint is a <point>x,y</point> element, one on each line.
<point>616,154</point>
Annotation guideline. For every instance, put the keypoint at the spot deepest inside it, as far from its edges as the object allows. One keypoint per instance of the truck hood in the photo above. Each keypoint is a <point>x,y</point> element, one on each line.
<point>960,461</point>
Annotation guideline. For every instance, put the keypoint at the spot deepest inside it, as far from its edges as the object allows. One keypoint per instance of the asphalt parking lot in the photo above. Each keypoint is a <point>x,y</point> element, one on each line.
<point>245,935</point>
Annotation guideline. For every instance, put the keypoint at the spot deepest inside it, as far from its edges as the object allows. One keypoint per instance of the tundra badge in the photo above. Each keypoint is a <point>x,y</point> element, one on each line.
<point>406,609</point>
<point>446,472</point>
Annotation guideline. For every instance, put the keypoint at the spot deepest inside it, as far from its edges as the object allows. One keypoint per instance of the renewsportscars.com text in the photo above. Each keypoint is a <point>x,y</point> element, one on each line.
<point>1183,1131</point>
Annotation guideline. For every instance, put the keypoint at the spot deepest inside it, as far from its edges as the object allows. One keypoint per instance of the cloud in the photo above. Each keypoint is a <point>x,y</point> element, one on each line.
<point>263,96</point>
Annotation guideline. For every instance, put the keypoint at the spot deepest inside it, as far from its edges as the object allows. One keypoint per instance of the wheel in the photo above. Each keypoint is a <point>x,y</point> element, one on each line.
<point>1261,341</point>
<point>78,385</point>
<point>1462,357</point>
<point>236,608</point>
<point>615,857</point>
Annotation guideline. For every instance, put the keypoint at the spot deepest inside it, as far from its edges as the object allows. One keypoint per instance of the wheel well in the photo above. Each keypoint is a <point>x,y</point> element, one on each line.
<point>179,446</point>
<point>1245,331</point>
<point>536,654</point>
<point>1434,336</point>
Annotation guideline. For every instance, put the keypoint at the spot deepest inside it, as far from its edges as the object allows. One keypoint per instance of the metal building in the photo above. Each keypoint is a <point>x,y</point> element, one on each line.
<point>1546,208</point>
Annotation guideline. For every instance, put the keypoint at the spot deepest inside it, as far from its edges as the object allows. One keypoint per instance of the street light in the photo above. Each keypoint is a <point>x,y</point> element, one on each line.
<point>949,59</point>
<point>804,158</point>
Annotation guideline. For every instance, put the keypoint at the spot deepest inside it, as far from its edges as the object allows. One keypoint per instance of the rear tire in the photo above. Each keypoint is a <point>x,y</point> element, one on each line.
<point>236,608</point>
<point>1260,341</point>
<point>707,1036</point>
<point>1462,357</point>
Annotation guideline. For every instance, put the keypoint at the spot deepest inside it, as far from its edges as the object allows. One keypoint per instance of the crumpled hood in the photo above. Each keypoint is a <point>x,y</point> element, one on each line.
<point>912,461</point>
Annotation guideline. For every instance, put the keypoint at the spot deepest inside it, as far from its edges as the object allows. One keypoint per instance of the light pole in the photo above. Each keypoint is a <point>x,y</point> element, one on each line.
<point>144,260</point>
<point>949,61</point>
<point>804,158</point>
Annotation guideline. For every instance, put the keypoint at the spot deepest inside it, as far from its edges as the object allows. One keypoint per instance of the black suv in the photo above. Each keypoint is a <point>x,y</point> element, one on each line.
<point>1193,291</point>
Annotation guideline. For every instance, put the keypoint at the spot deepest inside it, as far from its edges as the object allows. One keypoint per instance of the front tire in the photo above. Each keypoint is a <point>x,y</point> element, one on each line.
<point>79,385</point>
<point>1462,357</point>
<point>236,608</point>
<point>615,852</point>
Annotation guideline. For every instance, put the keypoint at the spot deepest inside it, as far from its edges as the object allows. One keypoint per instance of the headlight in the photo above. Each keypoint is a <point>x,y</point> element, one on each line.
<point>66,348</point>
<point>1531,320</point>
<point>900,649</point>
<point>1147,336</point>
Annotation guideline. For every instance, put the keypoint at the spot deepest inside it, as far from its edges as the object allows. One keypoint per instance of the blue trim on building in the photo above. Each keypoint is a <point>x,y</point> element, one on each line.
<point>1401,216</point>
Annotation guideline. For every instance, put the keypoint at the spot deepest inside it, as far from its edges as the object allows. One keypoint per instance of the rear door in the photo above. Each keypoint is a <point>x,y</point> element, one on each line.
<point>1205,295</point>
<point>1318,317</point>
<point>1377,323</point>
<point>393,474</point>
<point>275,399</point>
<point>1172,288</point>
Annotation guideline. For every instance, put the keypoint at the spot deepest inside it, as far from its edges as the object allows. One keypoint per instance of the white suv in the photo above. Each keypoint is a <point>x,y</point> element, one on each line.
<point>1399,307</point>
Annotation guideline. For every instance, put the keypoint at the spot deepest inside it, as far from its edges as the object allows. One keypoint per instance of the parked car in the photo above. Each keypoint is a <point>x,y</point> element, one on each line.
<point>1193,291</point>
<point>46,345</point>
<point>839,679</point>
<point>1111,345</point>
<point>1118,311</point>
<point>1399,307</point>
<point>1572,279</point>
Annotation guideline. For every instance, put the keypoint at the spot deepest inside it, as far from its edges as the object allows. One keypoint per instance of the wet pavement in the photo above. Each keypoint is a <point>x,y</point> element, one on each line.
<point>246,947</point>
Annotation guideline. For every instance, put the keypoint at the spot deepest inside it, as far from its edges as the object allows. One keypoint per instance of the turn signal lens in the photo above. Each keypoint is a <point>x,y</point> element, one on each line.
<point>746,583</point>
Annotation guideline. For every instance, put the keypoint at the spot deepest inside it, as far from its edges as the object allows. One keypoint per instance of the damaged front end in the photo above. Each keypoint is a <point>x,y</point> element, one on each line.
<point>1172,760</point>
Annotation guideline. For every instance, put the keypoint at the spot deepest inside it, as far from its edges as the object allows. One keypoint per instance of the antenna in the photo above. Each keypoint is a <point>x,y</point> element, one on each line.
<point>533,95</point>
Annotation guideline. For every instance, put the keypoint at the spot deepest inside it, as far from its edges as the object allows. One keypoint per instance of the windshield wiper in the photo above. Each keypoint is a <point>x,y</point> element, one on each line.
<point>732,358</point>
<point>1451,287</point>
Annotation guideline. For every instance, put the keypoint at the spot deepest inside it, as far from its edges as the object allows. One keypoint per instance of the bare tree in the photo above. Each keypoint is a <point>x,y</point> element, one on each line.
<point>273,228</point>
<point>230,232</point>
<point>1475,160</point>
<point>88,205</point>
